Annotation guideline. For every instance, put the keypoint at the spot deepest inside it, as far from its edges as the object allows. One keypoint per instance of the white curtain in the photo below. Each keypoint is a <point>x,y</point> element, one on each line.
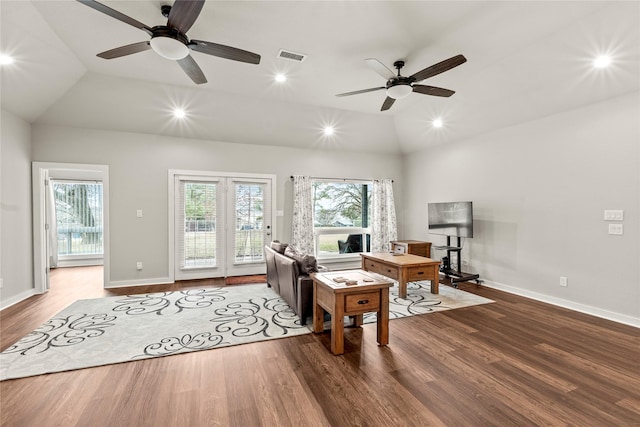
<point>302,227</point>
<point>383,212</point>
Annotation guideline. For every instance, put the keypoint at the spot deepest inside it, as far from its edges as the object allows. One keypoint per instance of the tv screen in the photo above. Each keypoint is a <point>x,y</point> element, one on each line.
<point>451,219</point>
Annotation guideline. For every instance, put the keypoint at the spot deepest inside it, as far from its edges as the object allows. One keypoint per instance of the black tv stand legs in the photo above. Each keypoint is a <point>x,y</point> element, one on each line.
<point>456,276</point>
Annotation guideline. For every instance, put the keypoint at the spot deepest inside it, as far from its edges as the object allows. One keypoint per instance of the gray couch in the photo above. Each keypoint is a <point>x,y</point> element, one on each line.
<point>288,274</point>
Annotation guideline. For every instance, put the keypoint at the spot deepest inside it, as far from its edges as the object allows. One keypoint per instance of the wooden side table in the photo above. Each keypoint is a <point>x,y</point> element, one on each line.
<point>414,247</point>
<point>332,294</point>
<point>403,268</point>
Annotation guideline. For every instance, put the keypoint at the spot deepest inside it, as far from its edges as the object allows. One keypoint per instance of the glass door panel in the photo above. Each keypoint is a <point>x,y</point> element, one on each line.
<point>250,210</point>
<point>197,218</point>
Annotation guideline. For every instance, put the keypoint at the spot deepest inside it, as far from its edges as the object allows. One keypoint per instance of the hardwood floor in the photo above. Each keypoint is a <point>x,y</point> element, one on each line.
<point>515,362</point>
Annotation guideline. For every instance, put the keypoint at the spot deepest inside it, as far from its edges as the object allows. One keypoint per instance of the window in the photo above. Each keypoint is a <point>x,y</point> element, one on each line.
<point>78,210</point>
<point>341,217</point>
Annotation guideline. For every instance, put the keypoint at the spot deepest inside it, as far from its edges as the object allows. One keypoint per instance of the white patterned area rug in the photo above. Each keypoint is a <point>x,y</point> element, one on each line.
<point>103,331</point>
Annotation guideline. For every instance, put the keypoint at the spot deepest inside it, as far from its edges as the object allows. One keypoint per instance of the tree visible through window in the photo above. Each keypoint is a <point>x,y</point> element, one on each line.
<point>249,217</point>
<point>78,208</point>
<point>341,217</point>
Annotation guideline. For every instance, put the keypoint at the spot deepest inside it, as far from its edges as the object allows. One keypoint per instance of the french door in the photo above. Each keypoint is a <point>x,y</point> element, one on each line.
<point>221,225</point>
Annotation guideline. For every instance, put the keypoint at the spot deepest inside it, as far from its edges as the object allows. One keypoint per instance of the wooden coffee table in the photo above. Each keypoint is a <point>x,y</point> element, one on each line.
<point>335,296</point>
<point>403,268</point>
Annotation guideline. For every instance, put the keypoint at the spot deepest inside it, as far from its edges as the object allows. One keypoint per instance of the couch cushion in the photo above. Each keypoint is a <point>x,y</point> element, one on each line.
<point>306,263</point>
<point>278,246</point>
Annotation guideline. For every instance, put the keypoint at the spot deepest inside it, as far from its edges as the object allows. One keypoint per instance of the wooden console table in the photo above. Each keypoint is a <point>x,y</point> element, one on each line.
<point>332,294</point>
<point>403,268</point>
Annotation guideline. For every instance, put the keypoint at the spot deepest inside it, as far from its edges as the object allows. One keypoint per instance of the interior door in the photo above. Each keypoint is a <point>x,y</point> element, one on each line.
<point>221,225</point>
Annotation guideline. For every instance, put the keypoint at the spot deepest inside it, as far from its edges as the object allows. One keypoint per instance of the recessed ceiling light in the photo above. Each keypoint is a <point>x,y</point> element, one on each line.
<point>5,59</point>
<point>602,61</point>
<point>328,130</point>
<point>280,78</point>
<point>437,123</point>
<point>179,113</point>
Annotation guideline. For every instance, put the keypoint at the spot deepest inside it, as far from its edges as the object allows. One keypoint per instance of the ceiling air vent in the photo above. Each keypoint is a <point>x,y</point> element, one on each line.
<point>291,56</point>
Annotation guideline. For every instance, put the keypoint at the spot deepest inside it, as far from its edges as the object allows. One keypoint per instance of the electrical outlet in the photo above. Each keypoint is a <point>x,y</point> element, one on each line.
<point>1,283</point>
<point>139,265</point>
<point>465,262</point>
<point>564,281</point>
<point>617,229</point>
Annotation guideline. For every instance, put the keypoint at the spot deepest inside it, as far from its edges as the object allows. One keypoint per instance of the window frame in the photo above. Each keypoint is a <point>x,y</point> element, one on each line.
<point>327,231</point>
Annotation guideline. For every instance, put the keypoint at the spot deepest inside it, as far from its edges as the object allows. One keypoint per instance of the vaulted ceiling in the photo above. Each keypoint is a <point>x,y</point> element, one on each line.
<point>524,60</point>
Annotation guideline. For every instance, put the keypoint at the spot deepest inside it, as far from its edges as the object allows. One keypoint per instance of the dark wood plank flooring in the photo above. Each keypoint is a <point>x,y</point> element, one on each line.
<point>515,362</point>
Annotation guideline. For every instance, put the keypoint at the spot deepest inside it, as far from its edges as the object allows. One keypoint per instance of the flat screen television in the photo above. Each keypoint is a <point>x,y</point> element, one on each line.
<point>451,219</point>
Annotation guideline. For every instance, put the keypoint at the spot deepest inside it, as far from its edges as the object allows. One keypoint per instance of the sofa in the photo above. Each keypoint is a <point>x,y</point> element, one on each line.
<point>288,273</point>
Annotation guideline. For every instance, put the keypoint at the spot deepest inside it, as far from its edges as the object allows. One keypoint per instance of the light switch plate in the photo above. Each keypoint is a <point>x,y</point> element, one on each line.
<point>613,215</point>
<point>139,213</point>
<point>617,229</point>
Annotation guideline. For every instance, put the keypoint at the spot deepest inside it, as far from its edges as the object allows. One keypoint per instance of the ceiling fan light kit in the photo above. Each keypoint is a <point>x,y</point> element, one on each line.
<point>169,47</point>
<point>399,91</point>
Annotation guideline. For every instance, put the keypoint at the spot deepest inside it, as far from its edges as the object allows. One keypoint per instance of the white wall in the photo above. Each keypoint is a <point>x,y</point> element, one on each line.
<point>539,191</point>
<point>138,165</point>
<point>16,254</point>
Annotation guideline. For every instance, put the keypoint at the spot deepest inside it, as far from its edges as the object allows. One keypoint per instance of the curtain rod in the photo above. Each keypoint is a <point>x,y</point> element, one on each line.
<point>340,179</point>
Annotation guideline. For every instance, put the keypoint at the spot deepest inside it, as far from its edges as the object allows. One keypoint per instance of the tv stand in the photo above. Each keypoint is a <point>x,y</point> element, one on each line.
<point>456,276</point>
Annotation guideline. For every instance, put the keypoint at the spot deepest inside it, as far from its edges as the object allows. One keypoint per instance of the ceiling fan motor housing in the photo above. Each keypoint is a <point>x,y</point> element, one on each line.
<point>165,9</point>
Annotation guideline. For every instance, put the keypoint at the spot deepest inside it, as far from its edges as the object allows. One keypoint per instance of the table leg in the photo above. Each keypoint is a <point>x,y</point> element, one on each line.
<point>402,283</point>
<point>435,279</point>
<point>358,320</point>
<point>337,327</point>
<point>318,312</point>
<point>383,317</point>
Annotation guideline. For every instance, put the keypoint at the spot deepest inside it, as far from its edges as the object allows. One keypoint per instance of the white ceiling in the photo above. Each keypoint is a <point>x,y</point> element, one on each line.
<point>525,60</point>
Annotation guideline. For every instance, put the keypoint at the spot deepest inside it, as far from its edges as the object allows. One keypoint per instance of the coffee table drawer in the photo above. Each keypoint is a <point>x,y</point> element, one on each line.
<point>381,269</point>
<point>366,301</point>
<point>418,273</point>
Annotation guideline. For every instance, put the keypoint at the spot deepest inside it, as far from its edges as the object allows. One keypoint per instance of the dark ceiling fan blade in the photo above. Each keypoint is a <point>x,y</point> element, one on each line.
<point>438,68</point>
<point>432,90</point>
<point>223,51</point>
<point>184,13</point>
<point>380,68</point>
<point>361,91</point>
<point>189,65</point>
<point>387,103</point>
<point>125,50</point>
<point>115,14</point>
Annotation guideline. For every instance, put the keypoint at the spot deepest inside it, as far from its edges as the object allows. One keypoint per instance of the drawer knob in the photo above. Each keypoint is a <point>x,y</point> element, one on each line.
<point>420,272</point>
<point>363,301</point>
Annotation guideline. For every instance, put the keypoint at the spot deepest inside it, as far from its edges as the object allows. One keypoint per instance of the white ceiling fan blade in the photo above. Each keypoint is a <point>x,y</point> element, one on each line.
<point>380,68</point>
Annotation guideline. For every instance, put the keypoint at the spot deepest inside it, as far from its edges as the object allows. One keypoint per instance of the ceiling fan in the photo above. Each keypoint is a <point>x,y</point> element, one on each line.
<point>400,86</point>
<point>170,41</point>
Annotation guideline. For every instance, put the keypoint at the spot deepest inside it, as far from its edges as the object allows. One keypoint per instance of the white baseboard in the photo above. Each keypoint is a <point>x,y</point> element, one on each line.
<point>140,282</point>
<point>6,303</point>
<point>582,308</point>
